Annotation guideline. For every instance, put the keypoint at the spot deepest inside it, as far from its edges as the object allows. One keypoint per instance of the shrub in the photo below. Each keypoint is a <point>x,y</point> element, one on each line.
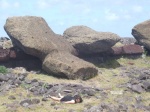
<point>3,69</point>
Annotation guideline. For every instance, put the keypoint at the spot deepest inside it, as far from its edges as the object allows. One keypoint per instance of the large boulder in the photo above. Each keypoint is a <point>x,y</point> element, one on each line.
<point>141,33</point>
<point>34,37</point>
<point>89,41</point>
<point>66,64</point>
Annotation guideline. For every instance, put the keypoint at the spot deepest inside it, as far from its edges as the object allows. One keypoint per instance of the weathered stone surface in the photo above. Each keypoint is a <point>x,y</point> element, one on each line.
<point>11,97</point>
<point>133,49</point>
<point>89,41</point>
<point>146,85</point>
<point>16,58</point>
<point>26,103</point>
<point>116,51</point>
<point>3,78</point>
<point>20,55</point>
<point>7,53</point>
<point>69,66</point>
<point>35,101</point>
<point>4,54</point>
<point>12,54</point>
<point>141,83</point>
<point>5,43</point>
<point>106,108</point>
<point>44,99</point>
<point>141,33</point>
<point>34,37</point>
<point>127,49</point>
<point>137,88</point>
<point>127,40</point>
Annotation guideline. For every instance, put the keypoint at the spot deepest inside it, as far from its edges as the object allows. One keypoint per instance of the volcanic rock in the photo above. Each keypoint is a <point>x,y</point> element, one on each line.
<point>89,41</point>
<point>69,65</point>
<point>33,36</point>
<point>141,33</point>
<point>130,49</point>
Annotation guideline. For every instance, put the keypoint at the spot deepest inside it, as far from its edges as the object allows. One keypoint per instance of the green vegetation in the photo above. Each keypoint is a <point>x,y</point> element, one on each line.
<point>111,63</point>
<point>3,69</point>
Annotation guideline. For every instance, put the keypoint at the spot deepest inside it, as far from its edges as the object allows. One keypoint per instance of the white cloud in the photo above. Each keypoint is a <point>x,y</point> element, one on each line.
<point>86,10</point>
<point>5,4</point>
<point>137,9</point>
<point>94,20</point>
<point>16,4</point>
<point>125,14</point>
<point>127,17</point>
<point>42,4</point>
<point>111,15</point>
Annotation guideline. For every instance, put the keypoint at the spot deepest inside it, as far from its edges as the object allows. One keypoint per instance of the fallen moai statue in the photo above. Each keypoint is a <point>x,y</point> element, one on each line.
<point>33,36</point>
<point>88,41</point>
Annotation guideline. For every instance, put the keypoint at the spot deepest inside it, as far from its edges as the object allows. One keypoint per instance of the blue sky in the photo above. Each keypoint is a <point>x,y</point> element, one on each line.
<point>117,16</point>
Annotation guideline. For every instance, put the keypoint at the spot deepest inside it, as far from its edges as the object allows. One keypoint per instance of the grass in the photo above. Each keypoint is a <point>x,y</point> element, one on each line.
<point>118,44</point>
<point>109,64</point>
<point>3,69</point>
<point>108,79</point>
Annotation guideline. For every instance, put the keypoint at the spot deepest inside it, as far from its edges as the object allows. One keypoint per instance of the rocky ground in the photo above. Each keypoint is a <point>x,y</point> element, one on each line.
<point>115,82</point>
<point>122,85</point>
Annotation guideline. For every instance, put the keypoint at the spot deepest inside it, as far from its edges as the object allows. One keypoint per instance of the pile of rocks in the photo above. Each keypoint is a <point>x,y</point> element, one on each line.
<point>141,83</point>
<point>39,88</point>
<point>103,107</point>
<point>10,80</point>
<point>140,79</point>
<point>106,107</point>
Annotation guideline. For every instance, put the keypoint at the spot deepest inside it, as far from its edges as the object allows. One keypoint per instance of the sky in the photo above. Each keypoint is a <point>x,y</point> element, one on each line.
<point>116,16</point>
